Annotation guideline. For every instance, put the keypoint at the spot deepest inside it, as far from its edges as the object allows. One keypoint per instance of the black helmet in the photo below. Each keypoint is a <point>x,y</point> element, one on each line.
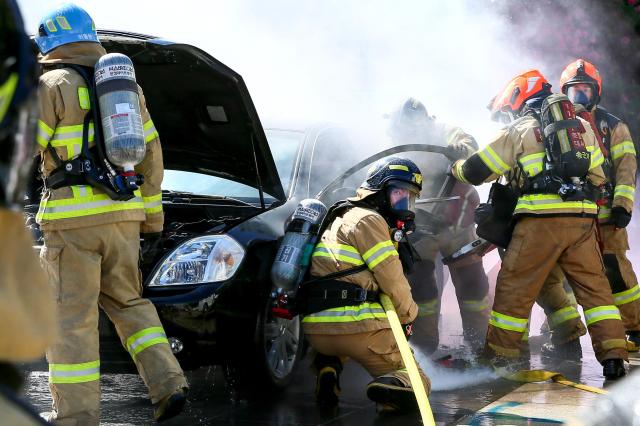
<point>409,120</point>
<point>397,182</point>
<point>17,81</point>
<point>396,169</point>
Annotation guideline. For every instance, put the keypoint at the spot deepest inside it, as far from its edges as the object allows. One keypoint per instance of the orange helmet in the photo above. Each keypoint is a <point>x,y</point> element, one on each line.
<point>528,85</point>
<point>581,71</point>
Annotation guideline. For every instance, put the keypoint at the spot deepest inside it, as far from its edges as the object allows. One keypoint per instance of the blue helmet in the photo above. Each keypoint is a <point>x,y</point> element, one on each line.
<point>63,25</point>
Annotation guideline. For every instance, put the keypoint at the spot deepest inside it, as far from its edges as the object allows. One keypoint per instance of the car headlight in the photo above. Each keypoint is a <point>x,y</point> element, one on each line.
<point>206,259</point>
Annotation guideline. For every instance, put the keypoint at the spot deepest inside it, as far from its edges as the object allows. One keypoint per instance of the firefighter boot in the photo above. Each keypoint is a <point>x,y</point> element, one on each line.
<point>170,406</point>
<point>570,350</point>
<point>327,379</point>
<point>392,394</point>
<point>633,341</point>
<point>613,368</point>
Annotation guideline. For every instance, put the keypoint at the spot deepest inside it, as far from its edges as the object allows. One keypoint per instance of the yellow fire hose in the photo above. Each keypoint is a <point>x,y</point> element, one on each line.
<point>409,361</point>
<point>529,376</point>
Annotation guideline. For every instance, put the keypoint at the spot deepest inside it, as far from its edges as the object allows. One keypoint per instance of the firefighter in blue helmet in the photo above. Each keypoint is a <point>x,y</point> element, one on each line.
<point>91,240</point>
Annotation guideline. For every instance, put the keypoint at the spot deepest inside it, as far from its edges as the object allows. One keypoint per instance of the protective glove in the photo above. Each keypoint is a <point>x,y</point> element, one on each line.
<point>456,151</point>
<point>408,330</point>
<point>620,217</point>
<point>150,246</point>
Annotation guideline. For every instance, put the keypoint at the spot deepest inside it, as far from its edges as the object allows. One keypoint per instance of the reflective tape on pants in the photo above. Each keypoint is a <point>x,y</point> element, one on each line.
<point>626,296</point>
<point>144,339</point>
<point>508,323</point>
<point>74,373</point>
<point>563,315</point>
<point>600,313</point>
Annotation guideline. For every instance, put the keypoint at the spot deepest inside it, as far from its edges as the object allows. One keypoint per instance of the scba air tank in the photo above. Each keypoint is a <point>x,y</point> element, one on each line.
<point>294,254</point>
<point>117,94</point>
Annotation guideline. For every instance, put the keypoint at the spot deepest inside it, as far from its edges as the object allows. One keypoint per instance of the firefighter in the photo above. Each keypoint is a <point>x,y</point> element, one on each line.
<point>355,259</point>
<point>555,221</point>
<point>582,83</point>
<point>27,310</point>
<point>411,124</point>
<point>563,318</point>
<point>91,242</point>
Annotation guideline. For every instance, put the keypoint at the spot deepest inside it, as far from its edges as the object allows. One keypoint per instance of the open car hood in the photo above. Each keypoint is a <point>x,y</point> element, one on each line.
<point>201,109</point>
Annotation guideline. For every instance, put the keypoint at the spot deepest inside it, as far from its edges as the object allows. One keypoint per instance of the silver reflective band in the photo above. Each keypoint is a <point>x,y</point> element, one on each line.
<point>143,339</point>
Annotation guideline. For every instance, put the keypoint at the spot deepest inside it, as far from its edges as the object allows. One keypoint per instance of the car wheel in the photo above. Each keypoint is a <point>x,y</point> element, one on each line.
<point>279,346</point>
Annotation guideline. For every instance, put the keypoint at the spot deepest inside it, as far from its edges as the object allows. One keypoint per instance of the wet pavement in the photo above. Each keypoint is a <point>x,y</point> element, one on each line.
<point>471,397</point>
<point>474,397</point>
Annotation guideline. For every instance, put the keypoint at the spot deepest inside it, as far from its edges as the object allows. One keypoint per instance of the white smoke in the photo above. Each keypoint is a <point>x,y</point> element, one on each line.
<point>443,378</point>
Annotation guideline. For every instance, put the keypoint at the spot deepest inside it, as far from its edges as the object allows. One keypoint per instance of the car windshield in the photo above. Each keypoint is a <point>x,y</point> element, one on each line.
<point>284,146</point>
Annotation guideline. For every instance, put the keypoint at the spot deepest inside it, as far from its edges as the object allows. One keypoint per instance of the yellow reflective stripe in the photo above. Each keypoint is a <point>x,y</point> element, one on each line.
<point>604,213</point>
<point>596,156</point>
<point>398,167</point>
<point>474,305</point>
<point>622,148</point>
<point>538,202</point>
<point>344,314</point>
<point>493,161</point>
<point>7,90</point>
<point>74,373</point>
<point>507,322</point>
<point>83,98</point>
<point>145,338</point>
<point>625,191</point>
<point>428,308</point>
<point>150,132</point>
<point>152,204</point>
<point>563,315</point>
<point>379,252</point>
<point>62,21</point>
<point>600,313</point>
<point>626,296</point>
<point>85,206</point>
<point>532,164</point>
<point>341,252</point>
<point>44,134</point>
<point>51,26</point>
<point>458,173</point>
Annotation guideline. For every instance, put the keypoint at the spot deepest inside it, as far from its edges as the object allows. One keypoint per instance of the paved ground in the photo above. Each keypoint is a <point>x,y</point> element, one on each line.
<point>473,397</point>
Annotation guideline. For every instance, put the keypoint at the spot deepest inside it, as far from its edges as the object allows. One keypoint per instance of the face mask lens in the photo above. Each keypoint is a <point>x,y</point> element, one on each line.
<point>401,199</point>
<point>579,95</point>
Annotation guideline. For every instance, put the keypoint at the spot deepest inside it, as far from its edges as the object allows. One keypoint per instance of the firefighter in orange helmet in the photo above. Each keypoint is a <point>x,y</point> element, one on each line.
<point>582,83</point>
<point>555,220</point>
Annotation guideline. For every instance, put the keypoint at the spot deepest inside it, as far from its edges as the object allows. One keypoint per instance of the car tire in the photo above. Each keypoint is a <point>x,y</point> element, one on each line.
<point>279,346</point>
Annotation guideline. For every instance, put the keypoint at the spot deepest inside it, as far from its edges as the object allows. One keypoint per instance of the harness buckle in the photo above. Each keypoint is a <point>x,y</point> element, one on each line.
<point>361,295</point>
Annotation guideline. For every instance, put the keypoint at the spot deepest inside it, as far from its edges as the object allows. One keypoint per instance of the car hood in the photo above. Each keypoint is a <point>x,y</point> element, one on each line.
<point>202,110</point>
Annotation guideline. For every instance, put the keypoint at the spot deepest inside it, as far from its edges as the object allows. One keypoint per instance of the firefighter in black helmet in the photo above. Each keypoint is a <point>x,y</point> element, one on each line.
<point>360,244</point>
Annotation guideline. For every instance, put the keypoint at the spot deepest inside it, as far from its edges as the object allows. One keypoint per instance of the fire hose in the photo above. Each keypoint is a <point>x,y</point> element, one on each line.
<point>409,361</point>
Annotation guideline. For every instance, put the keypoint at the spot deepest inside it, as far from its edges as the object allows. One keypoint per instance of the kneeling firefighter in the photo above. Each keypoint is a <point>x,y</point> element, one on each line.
<point>95,141</point>
<point>356,259</point>
<point>553,166</point>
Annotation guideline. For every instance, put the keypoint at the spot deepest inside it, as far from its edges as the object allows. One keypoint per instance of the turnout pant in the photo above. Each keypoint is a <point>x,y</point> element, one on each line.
<point>470,282</point>
<point>622,278</point>
<point>376,351</point>
<point>563,317</point>
<point>537,245</point>
<point>98,266</point>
